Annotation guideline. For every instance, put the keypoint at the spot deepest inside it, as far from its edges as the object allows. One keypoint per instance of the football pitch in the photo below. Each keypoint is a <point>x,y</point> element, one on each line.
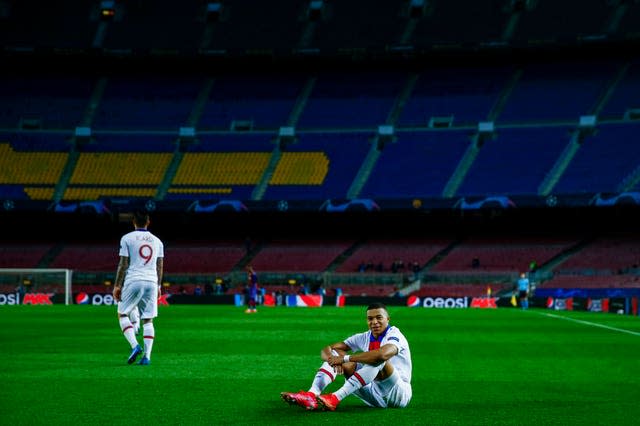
<point>216,365</point>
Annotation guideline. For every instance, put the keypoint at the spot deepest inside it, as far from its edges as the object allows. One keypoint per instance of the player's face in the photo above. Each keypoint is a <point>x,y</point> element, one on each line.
<point>378,320</point>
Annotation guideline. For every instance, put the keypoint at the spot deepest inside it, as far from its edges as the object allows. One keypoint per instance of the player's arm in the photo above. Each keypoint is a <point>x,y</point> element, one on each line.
<point>120,273</point>
<point>340,347</point>
<point>160,271</point>
<point>373,357</point>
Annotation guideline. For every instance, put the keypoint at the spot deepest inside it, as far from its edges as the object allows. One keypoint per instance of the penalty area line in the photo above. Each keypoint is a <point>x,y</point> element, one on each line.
<point>593,324</point>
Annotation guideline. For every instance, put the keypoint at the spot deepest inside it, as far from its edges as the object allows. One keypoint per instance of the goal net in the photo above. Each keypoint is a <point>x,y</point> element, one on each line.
<point>34,286</point>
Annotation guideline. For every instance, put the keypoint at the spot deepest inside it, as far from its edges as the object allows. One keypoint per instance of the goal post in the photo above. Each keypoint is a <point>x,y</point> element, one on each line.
<point>27,281</point>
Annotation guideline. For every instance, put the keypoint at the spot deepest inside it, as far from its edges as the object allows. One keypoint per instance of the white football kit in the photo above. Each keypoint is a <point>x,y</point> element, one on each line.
<point>141,280</point>
<point>394,391</point>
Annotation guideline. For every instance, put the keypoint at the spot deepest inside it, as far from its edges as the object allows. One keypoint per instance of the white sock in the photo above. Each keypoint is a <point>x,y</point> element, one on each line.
<point>127,330</point>
<point>134,316</point>
<point>148,333</point>
<point>361,377</point>
<point>324,377</point>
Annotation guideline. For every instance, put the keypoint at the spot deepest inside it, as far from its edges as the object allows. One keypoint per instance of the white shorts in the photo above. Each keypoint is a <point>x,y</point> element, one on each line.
<point>391,392</point>
<point>143,294</point>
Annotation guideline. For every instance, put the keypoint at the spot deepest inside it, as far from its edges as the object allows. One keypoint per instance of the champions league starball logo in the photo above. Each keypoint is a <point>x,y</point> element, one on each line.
<point>82,299</point>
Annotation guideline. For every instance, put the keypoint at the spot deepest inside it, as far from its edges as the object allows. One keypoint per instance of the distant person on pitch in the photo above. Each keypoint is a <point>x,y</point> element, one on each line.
<point>523,291</point>
<point>252,290</point>
<point>378,372</point>
<point>137,284</point>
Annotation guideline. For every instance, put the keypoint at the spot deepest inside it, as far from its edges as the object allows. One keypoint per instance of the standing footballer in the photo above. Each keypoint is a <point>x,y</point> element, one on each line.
<point>137,285</point>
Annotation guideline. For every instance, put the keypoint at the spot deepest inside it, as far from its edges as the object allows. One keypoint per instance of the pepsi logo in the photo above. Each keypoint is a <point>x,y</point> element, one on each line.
<point>413,301</point>
<point>82,299</point>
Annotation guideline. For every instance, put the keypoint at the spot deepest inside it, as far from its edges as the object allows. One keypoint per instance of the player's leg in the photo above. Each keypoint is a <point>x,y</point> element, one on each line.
<point>129,298</point>
<point>307,399</point>
<point>395,392</point>
<point>134,317</point>
<point>362,376</point>
<point>148,311</point>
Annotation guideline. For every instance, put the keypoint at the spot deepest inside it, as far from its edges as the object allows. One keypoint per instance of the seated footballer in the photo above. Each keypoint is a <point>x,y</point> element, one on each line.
<point>378,370</point>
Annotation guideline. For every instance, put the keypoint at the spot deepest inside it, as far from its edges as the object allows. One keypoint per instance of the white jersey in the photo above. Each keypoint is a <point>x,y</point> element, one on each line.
<point>401,361</point>
<point>143,250</point>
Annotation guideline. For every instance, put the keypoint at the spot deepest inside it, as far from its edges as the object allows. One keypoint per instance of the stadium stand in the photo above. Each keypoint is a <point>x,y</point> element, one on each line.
<point>557,91</point>
<point>147,102</point>
<point>418,67</point>
<point>198,257</point>
<point>515,161</point>
<point>388,251</point>
<point>417,164</point>
<point>250,101</point>
<point>22,255</point>
<point>87,257</point>
<point>464,95</point>
<point>351,100</point>
<point>501,254</point>
<point>603,161</point>
<point>605,255</point>
<point>298,256</point>
<point>41,101</point>
<point>625,94</point>
<point>155,26</point>
<point>344,153</point>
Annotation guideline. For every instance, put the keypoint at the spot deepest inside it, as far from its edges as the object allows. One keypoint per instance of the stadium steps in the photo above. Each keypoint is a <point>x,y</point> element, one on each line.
<point>276,154</point>
<point>458,176</point>
<point>338,261</point>
<point>456,179</point>
<point>577,137</point>
<point>72,160</point>
<point>172,169</point>
<point>561,164</point>
<point>497,109</point>
<point>50,256</point>
<point>301,102</point>
<point>94,102</point>
<point>201,101</point>
<point>377,145</point>
<point>365,170</point>
<point>247,258</point>
<point>401,99</point>
<point>261,187</point>
<point>67,172</point>
<point>608,92</point>
<point>564,255</point>
<point>178,155</point>
<point>439,256</point>
<point>630,181</point>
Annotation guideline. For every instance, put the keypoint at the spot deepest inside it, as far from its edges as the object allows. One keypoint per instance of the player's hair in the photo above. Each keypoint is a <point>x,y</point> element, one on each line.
<point>140,218</point>
<point>378,305</point>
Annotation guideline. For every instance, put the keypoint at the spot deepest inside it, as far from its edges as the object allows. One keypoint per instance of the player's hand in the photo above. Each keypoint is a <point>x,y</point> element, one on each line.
<point>117,292</point>
<point>334,360</point>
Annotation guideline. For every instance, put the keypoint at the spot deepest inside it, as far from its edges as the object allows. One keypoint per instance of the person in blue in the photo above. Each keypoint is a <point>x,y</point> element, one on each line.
<point>252,290</point>
<point>523,290</point>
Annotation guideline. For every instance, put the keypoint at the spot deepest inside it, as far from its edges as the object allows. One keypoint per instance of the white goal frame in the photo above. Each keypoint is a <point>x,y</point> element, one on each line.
<point>68,276</point>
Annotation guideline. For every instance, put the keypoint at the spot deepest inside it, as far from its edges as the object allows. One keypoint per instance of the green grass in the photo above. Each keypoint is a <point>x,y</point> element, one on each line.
<point>216,365</point>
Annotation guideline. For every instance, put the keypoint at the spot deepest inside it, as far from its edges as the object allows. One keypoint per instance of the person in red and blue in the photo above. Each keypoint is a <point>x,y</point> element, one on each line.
<point>252,290</point>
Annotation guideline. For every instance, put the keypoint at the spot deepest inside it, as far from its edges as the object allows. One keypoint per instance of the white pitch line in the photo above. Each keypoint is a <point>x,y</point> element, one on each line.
<point>594,324</point>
